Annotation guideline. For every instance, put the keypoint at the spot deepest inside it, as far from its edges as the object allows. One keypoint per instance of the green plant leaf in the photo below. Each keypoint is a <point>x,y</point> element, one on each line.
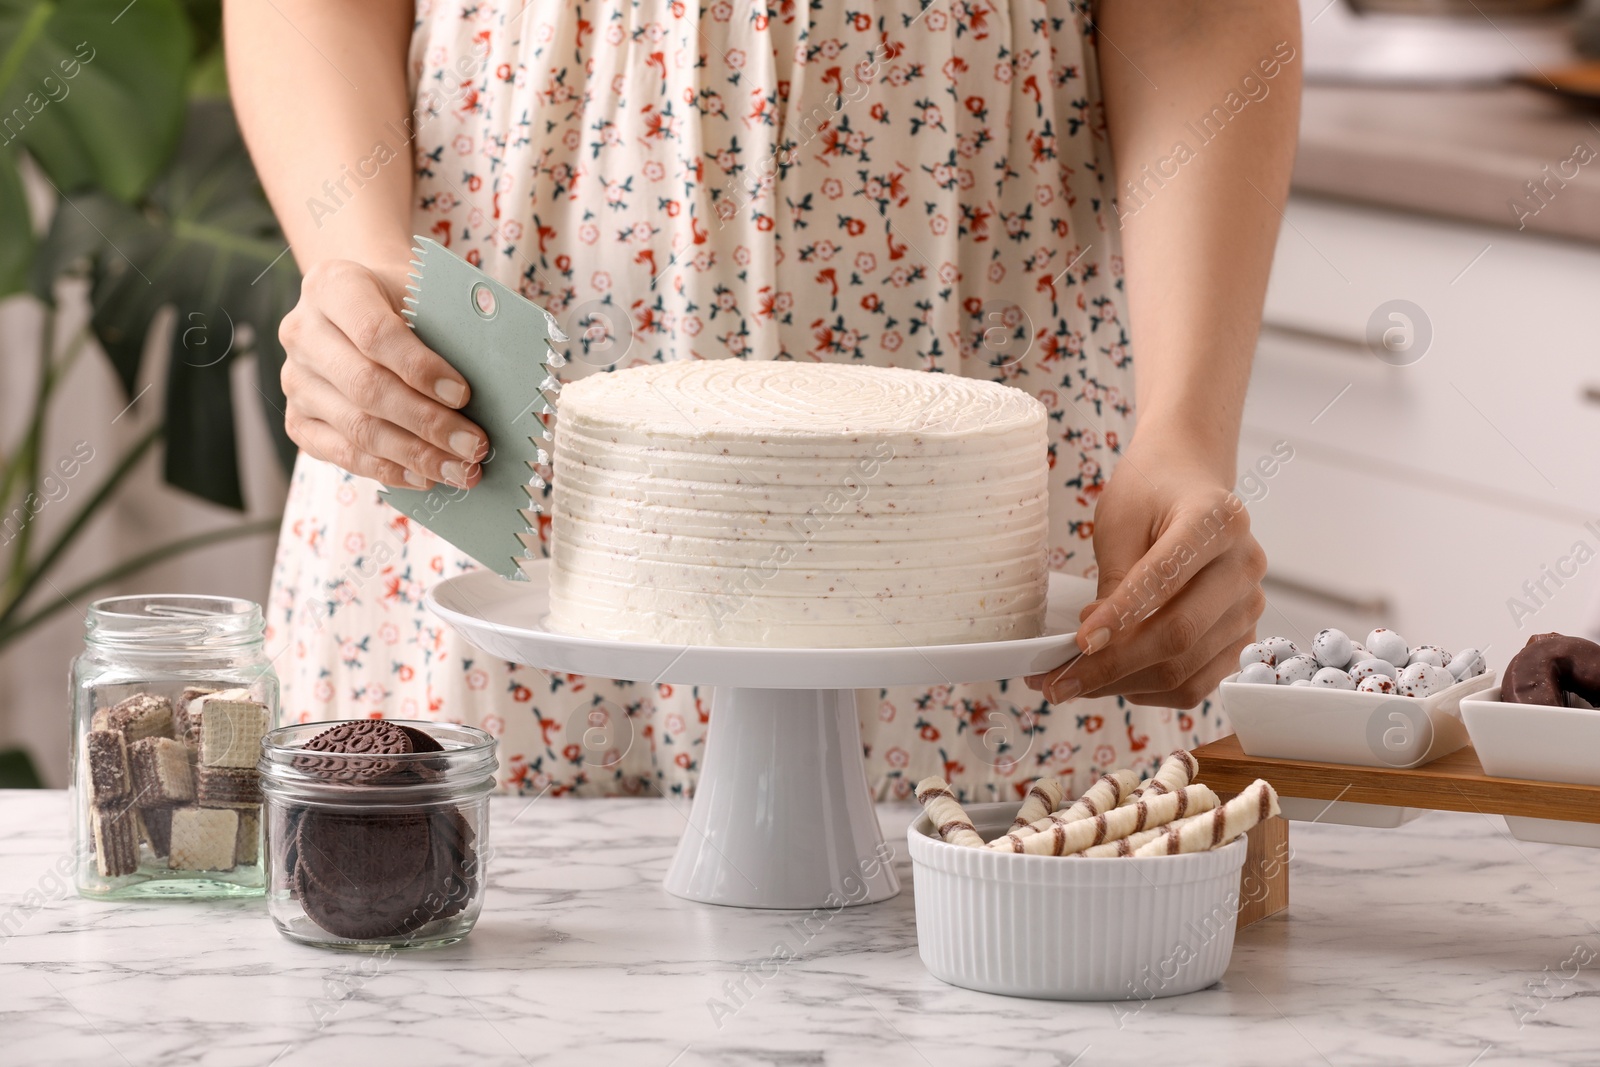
<point>203,240</point>
<point>201,454</point>
<point>17,248</point>
<point>94,88</point>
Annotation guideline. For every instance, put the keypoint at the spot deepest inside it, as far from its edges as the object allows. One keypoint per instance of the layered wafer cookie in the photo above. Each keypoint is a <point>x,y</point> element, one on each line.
<point>1176,771</point>
<point>946,814</point>
<point>1062,839</point>
<point>1216,828</point>
<point>1104,795</point>
<point>1042,799</point>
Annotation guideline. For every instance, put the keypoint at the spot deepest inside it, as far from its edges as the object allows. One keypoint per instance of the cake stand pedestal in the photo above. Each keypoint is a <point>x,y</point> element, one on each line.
<point>782,817</point>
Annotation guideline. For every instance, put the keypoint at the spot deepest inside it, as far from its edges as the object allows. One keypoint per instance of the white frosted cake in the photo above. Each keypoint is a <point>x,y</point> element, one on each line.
<point>797,505</point>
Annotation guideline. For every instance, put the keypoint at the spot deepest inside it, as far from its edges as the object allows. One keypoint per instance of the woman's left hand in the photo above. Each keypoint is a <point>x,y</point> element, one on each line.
<point>1180,584</point>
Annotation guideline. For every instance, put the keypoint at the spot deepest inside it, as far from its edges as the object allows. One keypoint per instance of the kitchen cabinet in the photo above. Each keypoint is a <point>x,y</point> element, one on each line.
<point>1455,497</point>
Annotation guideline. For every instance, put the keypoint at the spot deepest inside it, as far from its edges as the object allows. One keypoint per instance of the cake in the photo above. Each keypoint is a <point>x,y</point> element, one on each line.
<point>797,505</point>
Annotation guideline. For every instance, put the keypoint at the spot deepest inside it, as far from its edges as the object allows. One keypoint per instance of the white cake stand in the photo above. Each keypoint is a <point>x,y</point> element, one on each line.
<point>782,817</point>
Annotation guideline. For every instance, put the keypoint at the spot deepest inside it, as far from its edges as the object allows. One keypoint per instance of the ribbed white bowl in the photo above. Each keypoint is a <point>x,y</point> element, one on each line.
<point>1071,929</point>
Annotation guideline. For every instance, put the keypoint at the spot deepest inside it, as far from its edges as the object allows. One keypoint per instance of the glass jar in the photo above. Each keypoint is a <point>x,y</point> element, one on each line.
<point>374,850</point>
<point>170,700</point>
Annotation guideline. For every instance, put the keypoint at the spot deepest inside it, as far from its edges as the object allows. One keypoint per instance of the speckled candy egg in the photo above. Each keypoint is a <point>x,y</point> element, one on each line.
<point>1423,680</point>
<point>1332,678</point>
<point>1296,669</point>
<point>1376,683</point>
<point>1332,648</point>
<point>1257,653</point>
<point>1301,681</point>
<point>1370,666</point>
<point>1258,674</point>
<point>1283,649</point>
<point>1468,663</point>
<point>1388,645</point>
<point>1433,654</point>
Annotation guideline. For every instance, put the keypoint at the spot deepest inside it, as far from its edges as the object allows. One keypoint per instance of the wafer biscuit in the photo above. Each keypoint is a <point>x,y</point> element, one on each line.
<point>1043,798</point>
<point>1216,828</point>
<point>949,820</point>
<point>1176,771</point>
<point>1061,839</point>
<point>1104,795</point>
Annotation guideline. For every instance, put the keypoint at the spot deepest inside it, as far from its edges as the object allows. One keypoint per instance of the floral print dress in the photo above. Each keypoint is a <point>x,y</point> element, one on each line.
<point>921,185</point>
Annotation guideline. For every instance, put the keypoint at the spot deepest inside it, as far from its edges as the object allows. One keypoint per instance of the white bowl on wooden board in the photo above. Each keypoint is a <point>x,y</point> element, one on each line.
<point>1539,743</point>
<point>1344,726</point>
<point>1062,928</point>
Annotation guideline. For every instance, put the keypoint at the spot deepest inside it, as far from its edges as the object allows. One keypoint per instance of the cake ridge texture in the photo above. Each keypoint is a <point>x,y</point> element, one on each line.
<point>783,504</point>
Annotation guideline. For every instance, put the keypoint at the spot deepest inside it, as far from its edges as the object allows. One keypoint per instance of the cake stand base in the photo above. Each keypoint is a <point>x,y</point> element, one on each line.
<point>782,817</point>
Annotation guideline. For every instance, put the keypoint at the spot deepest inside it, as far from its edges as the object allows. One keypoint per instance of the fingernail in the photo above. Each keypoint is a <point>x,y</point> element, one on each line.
<point>466,445</point>
<point>1096,639</point>
<point>450,391</point>
<point>455,474</point>
<point>1067,689</point>
<point>416,479</point>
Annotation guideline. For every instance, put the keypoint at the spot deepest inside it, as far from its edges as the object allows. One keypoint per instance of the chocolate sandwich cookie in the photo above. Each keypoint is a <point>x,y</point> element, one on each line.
<point>364,855</point>
<point>344,747</point>
<point>357,918</point>
<point>453,867</point>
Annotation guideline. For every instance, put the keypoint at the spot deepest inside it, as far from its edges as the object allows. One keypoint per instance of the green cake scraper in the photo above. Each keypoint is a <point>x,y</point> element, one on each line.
<point>500,342</point>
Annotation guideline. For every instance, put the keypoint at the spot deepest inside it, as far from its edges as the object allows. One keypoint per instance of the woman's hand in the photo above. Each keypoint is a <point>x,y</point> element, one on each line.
<point>364,393</point>
<point>1180,584</point>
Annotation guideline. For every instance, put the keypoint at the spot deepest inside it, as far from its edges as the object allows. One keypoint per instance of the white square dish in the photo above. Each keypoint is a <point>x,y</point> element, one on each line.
<point>1537,743</point>
<point>1064,928</point>
<point>1533,741</point>
<point>1343,726</point>
<point>1347,813</point>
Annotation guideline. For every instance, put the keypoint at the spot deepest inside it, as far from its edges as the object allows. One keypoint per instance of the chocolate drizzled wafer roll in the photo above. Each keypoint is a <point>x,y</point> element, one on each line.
<point>946,814</point>
<point>1062,839</point>
<point>1176,771</point>
<point>1043,798</point>
<point>1258,802</point>
<point>1104,795</point>
<point>1124,847</point>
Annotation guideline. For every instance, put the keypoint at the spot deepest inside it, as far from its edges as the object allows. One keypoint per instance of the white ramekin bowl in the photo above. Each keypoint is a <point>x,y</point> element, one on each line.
<point>1071,929</point>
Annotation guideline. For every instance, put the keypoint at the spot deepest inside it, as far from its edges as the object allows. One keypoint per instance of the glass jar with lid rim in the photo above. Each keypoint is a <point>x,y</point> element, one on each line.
<point>171,697</point>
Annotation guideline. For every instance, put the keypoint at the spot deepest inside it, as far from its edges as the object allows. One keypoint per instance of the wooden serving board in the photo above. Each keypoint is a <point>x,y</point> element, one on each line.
<point>1451,783</point>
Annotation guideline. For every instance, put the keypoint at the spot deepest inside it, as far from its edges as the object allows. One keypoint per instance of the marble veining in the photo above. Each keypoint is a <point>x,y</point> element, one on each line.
<point>1444,942</point>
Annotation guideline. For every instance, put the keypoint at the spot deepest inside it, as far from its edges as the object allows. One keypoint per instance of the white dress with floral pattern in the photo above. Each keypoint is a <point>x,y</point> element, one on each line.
<point>887,183</point>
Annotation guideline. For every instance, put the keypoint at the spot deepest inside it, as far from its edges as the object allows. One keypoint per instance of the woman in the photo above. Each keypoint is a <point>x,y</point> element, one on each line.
<point>926,185</point>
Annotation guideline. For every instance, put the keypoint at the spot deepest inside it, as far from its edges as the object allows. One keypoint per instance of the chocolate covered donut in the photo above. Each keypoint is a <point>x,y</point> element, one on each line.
<point>1549,667</point>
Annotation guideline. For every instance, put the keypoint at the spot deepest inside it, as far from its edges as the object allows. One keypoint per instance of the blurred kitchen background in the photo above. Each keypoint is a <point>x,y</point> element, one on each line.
<point>1422,441</point>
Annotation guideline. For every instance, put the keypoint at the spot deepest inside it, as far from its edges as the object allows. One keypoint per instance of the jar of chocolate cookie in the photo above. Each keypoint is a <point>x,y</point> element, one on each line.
<point>376,831</point>
<point>171,698</point>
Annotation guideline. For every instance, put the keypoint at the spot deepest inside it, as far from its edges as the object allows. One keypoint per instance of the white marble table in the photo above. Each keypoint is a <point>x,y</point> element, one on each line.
<point>1413,946</point>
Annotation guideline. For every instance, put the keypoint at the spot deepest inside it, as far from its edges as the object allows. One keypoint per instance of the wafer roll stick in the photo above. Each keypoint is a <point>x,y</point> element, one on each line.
<point>1061,839</point>
<point>946,814</point>
<point>1107,790</point>
<point>1042,799</point>
<point>1258,802</point>
<point>1124,847</point>
<point>1176,771</point>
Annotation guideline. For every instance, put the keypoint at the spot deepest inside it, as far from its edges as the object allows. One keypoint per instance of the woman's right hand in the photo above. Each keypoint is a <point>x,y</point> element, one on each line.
<point>364,393</point>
